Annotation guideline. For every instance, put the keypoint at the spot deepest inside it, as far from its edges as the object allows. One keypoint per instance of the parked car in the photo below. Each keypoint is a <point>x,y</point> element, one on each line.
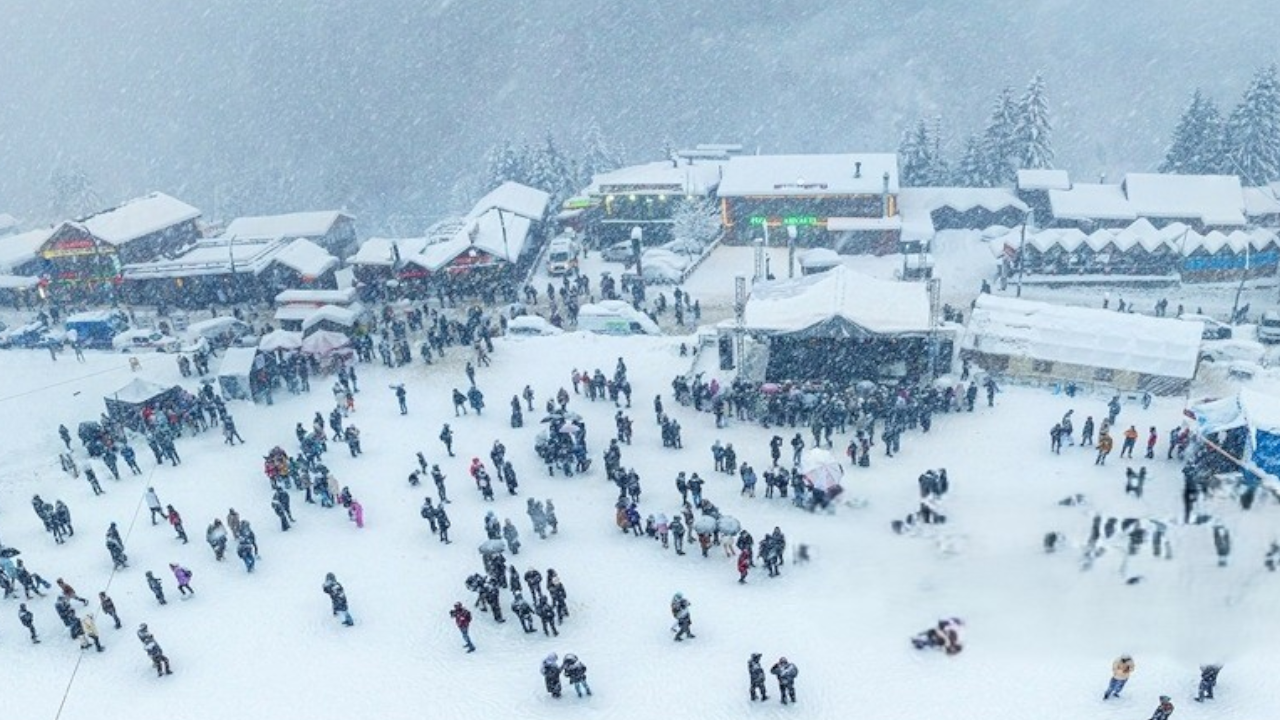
<point>26,336</point>
<point>137,340</point>
<point>222,332</point>
<point>1269,327</point>
<point>531,326</point>
<point>687,248</point>
<point>1237,350</point>
<point>1213,329</point>
<point>618,252</point>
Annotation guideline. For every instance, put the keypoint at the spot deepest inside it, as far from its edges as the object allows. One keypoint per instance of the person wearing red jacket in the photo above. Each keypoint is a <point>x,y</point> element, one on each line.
<point>176,521</point>
<point>462,618</point>
<point>744,566</point>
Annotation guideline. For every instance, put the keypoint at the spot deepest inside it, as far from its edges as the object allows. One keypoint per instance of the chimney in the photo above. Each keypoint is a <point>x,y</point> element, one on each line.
<point>857,169</point>
<point>884,196</point>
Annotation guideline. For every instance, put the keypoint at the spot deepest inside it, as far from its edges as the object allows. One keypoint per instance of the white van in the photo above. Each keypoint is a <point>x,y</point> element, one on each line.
<point>562,256</point>
<point>221,331</point>
<point>1269,327</point>
<point>615,317</point>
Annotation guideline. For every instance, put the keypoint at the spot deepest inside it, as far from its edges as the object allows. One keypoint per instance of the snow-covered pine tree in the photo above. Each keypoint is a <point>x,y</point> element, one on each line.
<point>598,154</point>
<point>547,168</point>
<point>72,194</point>
<point>915,160</point>
<point>998,148</point>
<point>970,172</point>
<point>504,163</point>
<point>1032,135</point>
<point>939,168</point>
<point>1253,130</point>
<point>1197,145</point>
<point>696,219</point>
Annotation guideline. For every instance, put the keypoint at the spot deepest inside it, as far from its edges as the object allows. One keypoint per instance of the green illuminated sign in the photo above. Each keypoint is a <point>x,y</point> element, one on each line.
<point>785,220</point>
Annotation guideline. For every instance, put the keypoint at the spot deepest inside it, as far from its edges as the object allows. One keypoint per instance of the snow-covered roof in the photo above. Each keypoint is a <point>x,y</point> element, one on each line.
<point>856,224</point>
<point>516,199</point>
<point>211,256</point>
<point>331,313</point>
<point>1263,200</point>
<point>808,175</point>
<point>819,257</point>
<point>1174,238</point>
<point>961,199</point>
<point>376,251</point>
<point>306,258</point>
<point>316,298</point>
<point>484,233</point>
<point>291,225</point>
<point>879,306</point>
<point>1091,201</point>
<point>138,390</point>
<point>237,362</point>
<point>1213,199</point>
<point>1043,180</point>
<point>1090,337</point>
<point>18,249</point>
<point>138,218</point>
<point>659,178</point>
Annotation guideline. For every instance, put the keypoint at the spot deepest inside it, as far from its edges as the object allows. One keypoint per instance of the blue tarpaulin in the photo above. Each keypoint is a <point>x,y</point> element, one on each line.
<point>1258,414</point>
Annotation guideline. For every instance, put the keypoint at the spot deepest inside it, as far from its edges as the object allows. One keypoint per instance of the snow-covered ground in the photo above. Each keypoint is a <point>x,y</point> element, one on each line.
<point>1041,634</point>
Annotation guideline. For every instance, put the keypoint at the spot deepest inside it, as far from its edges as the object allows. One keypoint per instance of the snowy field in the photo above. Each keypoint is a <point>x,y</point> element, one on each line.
<point>1041,634</point>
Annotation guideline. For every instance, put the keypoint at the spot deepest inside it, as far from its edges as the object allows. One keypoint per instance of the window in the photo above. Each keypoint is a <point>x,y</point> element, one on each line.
<point>1042,366</point>
<point>1104,374</point>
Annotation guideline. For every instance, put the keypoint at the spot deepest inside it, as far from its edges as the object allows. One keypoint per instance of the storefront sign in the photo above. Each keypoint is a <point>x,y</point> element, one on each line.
<point>786,220</point>
<point>71,247</point>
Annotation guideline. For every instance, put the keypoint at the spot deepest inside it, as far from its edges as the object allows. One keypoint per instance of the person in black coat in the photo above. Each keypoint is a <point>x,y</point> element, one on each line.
<point>533,579</point>
<point>756,673</point>
<point>558,596</point>
<point>575,671</point>
<point>547,615</point>
<point>27,620</point>
<point>551,674</point>
<point>1208,679</point>
<point>338,598</point>
<point>786,673</point>
<point>157,589</point>
<point>523,612</point>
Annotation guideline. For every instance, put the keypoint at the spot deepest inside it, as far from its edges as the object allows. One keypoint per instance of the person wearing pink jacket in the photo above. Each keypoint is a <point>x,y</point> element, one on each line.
<point>183,576</point>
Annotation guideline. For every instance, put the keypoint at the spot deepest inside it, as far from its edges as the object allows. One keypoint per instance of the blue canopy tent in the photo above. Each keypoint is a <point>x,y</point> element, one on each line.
<point>1247,426</point>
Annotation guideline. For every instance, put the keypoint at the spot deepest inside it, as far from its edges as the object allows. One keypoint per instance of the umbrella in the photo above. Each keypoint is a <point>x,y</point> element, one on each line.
<point>704,525</point>
<point>492,547</point>
<point>10,552</point>
<point>727,525</point>
<point>821,469</point>
<point>569,428</point>
<point>770,388</point>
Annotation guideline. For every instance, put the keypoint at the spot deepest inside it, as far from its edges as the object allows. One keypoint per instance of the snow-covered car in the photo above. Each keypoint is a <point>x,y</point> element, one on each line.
<point>25,336</point>
<point>687,248</point>
<point>137,340</point>
<point>1237,350</point>
<point>618,252</point>
<point>222,331</point>
<point>531,326</point>
<point>661,272</point>
<point>1213,329</point>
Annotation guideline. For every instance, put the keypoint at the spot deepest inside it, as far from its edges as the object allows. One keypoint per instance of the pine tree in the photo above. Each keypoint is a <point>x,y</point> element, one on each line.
<point>998,147</point>
<point>913,155</point>
<point>547,168</point>
<point>73,195</point>
<point>504,163</point>
<point>970,171</point>
<point>939,169</point>
<point>1253,130</point>
<point>695,219</point>
<point>598,155</point>
<point>1032,133</point>
<point>1197,145</point>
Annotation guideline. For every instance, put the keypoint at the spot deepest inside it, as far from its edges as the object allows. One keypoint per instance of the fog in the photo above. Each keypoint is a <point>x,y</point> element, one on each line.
<point>383,106</point>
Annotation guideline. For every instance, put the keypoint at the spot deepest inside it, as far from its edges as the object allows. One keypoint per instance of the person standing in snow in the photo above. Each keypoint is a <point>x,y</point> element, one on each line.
<point>786,672</point>
<point>27,619</point>
<point>89,633</point>
<point>522,610</point>
<point>108,607</point>
<point>547,615</point>
<point>338,598</point>
<point>401,399</point>
<point>438,478</point>
<point>559,596</point>
<point>183,576</point>
<point>512,536</point>
<point>1130,439</point>
<point>551,674</point>
<point>154,505</point>
<point>1164,710</point>
<point>176,521</point>
<point>157,589</point>
<point>216,536</point>
<point>1121,669</point>
<point>446,437</point>
<point>576,672</point>
<point>684,622</point>
<point>1104,448</point>
<point>756,674</point>
<point>1208,680</point>
<point>462,618</point>
<point>744,566</point>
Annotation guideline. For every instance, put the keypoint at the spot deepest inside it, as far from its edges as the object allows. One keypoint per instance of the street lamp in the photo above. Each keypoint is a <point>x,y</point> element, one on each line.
<point>791,250</point>
<point>1022,246</point>
<point>637,234</point>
